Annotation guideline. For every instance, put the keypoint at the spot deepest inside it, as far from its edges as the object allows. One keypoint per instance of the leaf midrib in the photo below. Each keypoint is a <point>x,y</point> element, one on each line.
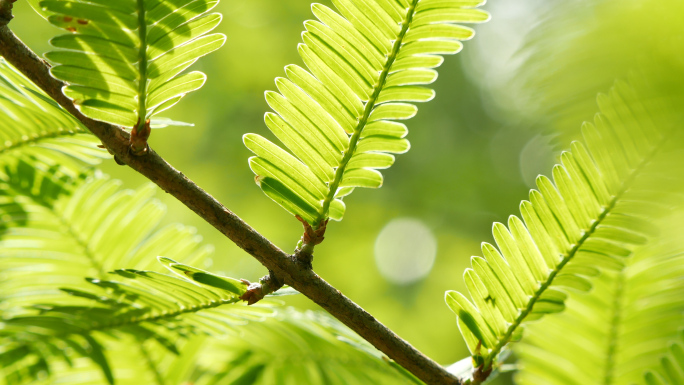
<point>154,316</point>
<point>142,65</point>
<point>569,256</point>
<point>370,105</point>
<point>27,142</point>
<point>69,230</point>
<point>615,321</point>
<point>138,320</point>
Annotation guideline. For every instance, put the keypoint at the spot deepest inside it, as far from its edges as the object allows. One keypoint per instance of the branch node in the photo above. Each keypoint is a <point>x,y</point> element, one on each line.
<point>481,374</point>
<point>256,291</point>
<point>139,135</point>
<point>305,248</point>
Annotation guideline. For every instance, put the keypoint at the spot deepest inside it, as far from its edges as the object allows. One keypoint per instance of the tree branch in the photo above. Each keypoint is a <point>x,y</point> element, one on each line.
<point>284,266</point>
<point>6,11</point>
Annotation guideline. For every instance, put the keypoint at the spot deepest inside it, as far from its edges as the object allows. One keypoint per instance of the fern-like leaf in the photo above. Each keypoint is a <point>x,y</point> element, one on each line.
<point>299,348</point>
<point>34,126</point>
<point>592,216</point>
<point>339,119</point>
<point>123,59</point>
<point>671,370</point>
<point>618,331</point>
<point>56,232</point>
<point>142,304</point>
<point>59,231</point>
<point>98,228</point>
<point>131,361</point>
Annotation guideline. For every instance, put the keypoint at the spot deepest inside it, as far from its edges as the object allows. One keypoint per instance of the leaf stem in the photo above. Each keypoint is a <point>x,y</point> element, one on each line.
<point>40,137</point>
<point>614,325</point>
<point>141,132</point>
<point>142,66</point>
<point>370,105</point>
<point>159,316</point>
<point>68,228</point>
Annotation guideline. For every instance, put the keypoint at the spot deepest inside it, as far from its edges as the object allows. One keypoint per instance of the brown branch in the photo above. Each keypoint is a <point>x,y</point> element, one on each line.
<point>256,291</point>
<point>6,11</point>
<point>288,269</point>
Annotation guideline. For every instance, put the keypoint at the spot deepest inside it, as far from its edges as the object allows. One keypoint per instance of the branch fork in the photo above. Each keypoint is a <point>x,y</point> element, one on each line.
<point>303,256</point>
<point>256,291</point>
<point>305,248</point>
<point>139,135</point>
<point>481,374</point>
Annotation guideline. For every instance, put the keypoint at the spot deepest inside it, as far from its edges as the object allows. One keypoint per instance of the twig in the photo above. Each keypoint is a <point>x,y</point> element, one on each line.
<point>304,252</point>
<point>6,11</point>
<point>256,291</point>
<point>283,265</point>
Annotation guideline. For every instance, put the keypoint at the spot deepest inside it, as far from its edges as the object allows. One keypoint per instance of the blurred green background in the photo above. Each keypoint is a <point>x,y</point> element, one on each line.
<point>475,151</point>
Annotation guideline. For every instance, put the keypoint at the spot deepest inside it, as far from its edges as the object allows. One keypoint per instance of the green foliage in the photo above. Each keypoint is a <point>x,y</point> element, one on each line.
<point>143,304</point>
<point>123,59</point>
<point>562,72</point>
<point>34,126</point>
<point>299,348</point>
<point>591,217</point>
<point>60,240</point>
<point>339,119</point>
<point>97,228</point>
<point>64,223</point>
<point>83,301</point>
<point>618,331</point>
<point>671,371</point>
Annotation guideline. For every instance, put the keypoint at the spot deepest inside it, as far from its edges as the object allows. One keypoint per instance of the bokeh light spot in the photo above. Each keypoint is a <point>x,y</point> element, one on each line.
<point>405,251</point>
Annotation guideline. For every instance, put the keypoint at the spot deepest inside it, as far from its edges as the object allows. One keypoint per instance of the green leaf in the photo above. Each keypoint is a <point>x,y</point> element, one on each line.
<point>628,325</point>
<point>165,122</point>
<point>97,355</point>
<point>338,119</point>
<point>141,304</point>
<point>298,348</point>
<point>579,226</point>
<point>73,227</point>
<point>122,60</point>
<point>177,87</point>
<point>32,126</point>
<point>232,285</point>
<point>671,369</point>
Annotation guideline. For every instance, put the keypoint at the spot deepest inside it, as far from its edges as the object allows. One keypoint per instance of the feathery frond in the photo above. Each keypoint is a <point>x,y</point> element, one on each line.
<point>339,119</point>
<point>671,370</point>
<point>591,217</point>
<point>298,348</point>
<point>563,71</point>
<point>123,59</point>
<point>97,229</point>
<point>132,362</point>
<point>618,331</point>
<point>134,301</point>
<point>33,126</point>
<point>142,304</point>
<point>59,233</point>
